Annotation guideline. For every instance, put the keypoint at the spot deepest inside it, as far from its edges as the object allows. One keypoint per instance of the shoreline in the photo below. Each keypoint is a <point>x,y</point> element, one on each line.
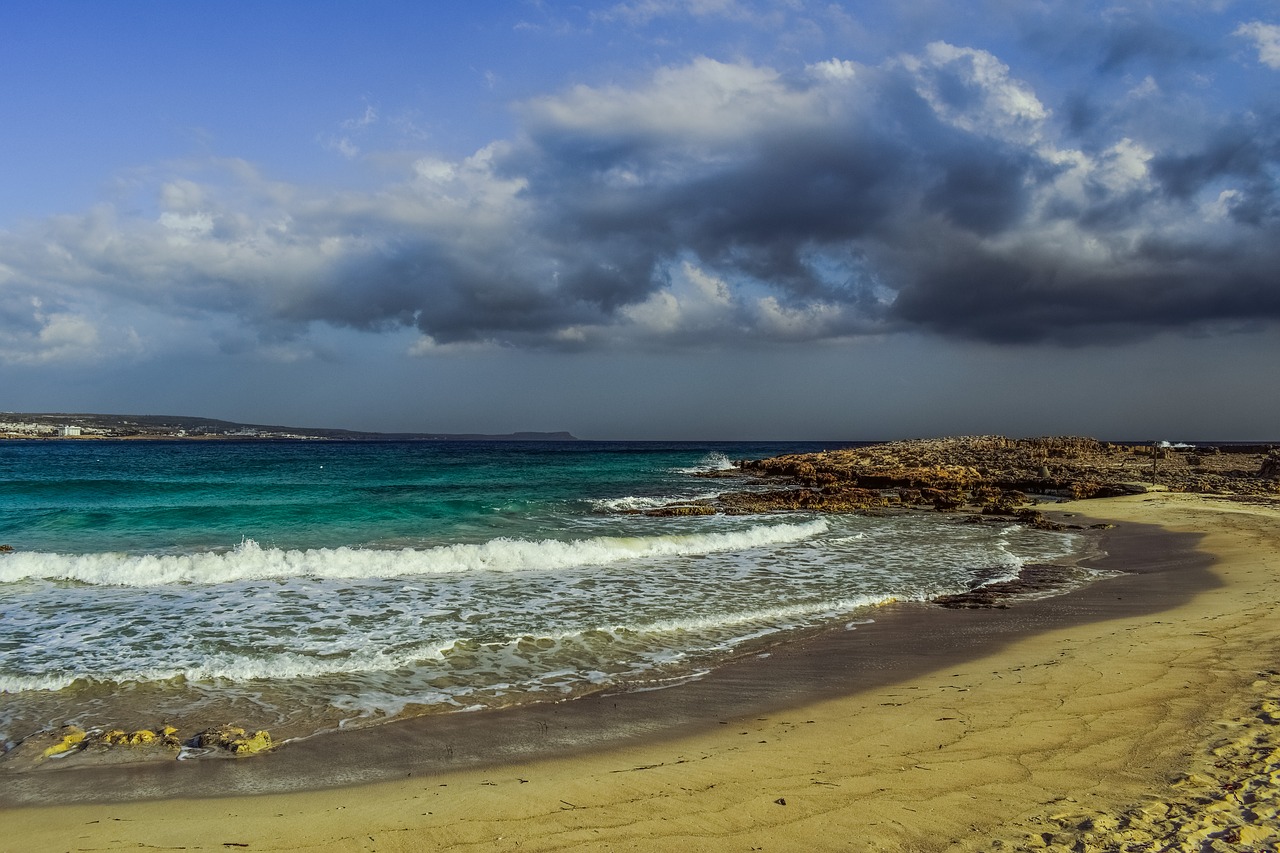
<point>887,643</point>
<point>979,729</point>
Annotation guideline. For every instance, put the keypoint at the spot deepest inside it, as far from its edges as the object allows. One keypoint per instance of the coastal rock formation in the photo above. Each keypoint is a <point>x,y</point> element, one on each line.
<point>1032,580</point>
<point>982,468</point>
<point>1270,469</point>
<point>827,499</point>
<point>986,475</point>
<point>677,510</point>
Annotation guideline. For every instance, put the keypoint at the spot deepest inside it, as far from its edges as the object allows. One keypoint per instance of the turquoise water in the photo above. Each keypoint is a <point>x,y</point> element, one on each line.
<point>304,586</point>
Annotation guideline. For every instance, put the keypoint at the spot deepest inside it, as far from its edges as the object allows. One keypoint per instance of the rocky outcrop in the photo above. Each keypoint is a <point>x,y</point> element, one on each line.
<point>1061,466</point>
<point>678,510</point>
<point>987,476</point>
<point>1032,580</point>
<point>1270,469</point>
<point>827,499</point>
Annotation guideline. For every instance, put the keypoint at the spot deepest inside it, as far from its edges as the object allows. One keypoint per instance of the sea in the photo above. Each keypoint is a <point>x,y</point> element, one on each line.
<point>309,586</point>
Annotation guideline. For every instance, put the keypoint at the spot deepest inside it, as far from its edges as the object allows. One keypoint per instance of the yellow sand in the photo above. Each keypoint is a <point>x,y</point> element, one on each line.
<point>1072,736</point>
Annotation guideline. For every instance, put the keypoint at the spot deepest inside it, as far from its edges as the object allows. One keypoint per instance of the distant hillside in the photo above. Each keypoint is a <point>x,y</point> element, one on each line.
<point>36,425</point>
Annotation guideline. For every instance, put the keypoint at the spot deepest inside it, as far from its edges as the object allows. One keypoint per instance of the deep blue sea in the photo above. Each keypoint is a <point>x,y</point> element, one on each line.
<point>305,586</point>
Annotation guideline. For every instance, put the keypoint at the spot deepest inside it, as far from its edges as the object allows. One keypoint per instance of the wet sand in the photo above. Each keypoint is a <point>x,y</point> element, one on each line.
<point>928,730</point>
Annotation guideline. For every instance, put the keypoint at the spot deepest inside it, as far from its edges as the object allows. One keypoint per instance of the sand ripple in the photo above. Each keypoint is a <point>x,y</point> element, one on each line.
<point>1229,802</point>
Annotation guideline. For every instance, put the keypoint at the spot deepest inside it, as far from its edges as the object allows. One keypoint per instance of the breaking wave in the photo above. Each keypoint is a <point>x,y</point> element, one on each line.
<point>250,561</point>
<point>714,461</point>
<point>640,502</point>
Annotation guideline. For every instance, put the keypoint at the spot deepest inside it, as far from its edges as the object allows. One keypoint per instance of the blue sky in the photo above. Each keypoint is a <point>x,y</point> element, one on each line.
<point>646,219</point>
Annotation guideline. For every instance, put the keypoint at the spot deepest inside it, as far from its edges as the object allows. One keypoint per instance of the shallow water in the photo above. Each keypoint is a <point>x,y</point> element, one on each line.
<point>303,586</point>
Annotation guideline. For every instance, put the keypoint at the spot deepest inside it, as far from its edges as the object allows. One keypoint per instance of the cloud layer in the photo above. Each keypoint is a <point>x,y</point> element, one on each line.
<point>712,203</point>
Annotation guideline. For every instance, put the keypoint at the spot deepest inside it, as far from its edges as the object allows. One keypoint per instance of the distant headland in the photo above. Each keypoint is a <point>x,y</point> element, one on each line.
<point>18,425</point>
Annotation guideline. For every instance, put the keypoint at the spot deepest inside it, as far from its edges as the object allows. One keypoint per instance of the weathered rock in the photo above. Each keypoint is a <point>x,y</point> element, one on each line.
<point>6,549</point>
<point>68,738</point>
<point>829,499</point>
<point>1069,466</point>
<point>1270,469</point>
<point>991,475</point>
<point>233,739</point>
<point>909,496</point>
<point>162,736</point>
<point>1031,580</point>
<point>681,510</point>
<point>1035,518</point>
<point>944,500</point>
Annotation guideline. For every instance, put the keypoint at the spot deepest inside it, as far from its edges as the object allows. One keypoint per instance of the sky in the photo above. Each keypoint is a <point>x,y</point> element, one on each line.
<point>647,219</point>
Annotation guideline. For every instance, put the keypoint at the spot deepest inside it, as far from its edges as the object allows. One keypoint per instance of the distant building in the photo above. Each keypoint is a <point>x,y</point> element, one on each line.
<point>70,431</point>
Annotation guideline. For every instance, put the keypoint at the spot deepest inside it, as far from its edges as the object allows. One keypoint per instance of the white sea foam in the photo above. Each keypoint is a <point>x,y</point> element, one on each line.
<point>636,502</point>
<point>232,667</point>
<point>249,561</point>
<point>714,461</point>
<point>647,641</point>
<point>785,615</point>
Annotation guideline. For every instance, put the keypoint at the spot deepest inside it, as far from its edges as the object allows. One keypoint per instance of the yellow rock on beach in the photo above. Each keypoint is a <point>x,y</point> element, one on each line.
<point>257,742</point>
<point>236,740</point>
<point>72,737</point>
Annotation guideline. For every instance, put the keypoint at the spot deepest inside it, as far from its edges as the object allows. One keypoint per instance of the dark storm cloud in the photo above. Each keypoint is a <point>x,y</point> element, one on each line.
<point>1244,151</point>
<point>967,221</point>
<point>1023,296</point>
<point>726,202</point>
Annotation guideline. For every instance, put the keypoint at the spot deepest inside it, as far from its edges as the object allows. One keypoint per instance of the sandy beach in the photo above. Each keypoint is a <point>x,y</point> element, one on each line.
<point>1138,714</point>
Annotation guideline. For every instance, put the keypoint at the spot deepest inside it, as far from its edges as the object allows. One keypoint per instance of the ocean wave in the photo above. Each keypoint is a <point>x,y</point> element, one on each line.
<point>236,668</point>
<point>713,461</point>
<point>557,659</point>
<point>784,615</point>
<point>640,503</point>
<point>250,561</point>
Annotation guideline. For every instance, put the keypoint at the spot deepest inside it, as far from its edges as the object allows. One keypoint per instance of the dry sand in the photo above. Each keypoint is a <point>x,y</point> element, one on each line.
<point>1134,732</point>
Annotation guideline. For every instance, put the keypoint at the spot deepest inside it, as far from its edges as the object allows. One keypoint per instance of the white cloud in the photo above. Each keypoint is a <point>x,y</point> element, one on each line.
<point>434,170</point>
<point>696,302</point>
<point>426,345</point>
<point>1219,209</point>
<point>705,100</point>
<point>661,313</point>
<point>181,195</point>
<point>64,336</point>
<point>712,202</point>
<point>810,321</point>
<point>186,226</point>
<point>1266,38</point>
<point>1124,167</point>
<point>833,70</point>
<point>1145,89</point>
<point>348,149</point>
<point>973,90</point>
